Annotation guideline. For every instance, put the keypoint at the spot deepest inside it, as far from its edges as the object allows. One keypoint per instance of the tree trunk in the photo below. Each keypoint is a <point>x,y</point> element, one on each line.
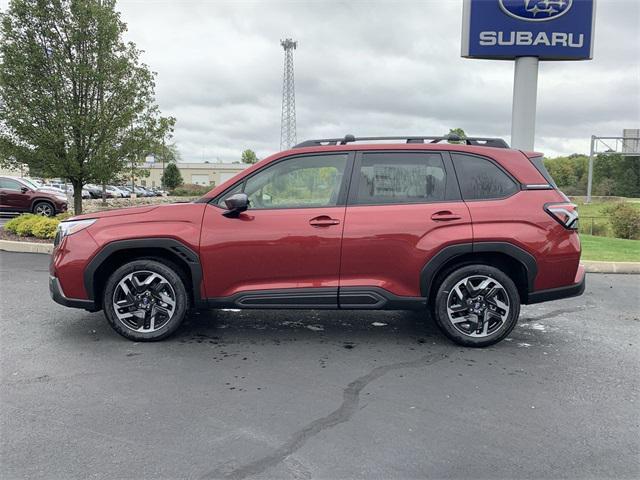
<point>77,197</point>
<point>104,194</point>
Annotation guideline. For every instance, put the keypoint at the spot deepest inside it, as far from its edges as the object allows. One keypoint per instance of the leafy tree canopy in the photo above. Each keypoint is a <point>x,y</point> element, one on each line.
<point>171,178</point>
<point>249,156</point>
<point>75,99</point>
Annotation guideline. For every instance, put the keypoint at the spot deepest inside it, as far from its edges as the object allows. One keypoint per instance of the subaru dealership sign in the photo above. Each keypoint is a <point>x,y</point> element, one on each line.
<point>547,29</point>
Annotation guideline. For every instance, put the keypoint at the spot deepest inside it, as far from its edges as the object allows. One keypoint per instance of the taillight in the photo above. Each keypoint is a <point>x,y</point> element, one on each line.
<point>566,214</point>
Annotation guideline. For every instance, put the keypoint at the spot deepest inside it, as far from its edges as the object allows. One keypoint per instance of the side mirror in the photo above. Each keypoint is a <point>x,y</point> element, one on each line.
<point>24,189</point>
<point>236,204</point>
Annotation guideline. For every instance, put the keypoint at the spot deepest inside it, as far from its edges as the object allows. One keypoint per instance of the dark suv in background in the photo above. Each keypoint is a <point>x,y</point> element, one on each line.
<point>20,195</point>
<point>468,231</point>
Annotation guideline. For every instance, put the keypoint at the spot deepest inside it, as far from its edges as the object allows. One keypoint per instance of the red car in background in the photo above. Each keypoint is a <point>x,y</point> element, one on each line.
<point>19,195</point>
<point>468,231</point>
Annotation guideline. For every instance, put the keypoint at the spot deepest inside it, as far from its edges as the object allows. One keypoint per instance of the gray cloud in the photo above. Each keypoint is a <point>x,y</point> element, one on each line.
<point>368,68</point>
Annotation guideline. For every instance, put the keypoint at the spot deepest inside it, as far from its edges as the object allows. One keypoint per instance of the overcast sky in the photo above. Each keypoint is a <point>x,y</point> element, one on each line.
<point>367,68</point>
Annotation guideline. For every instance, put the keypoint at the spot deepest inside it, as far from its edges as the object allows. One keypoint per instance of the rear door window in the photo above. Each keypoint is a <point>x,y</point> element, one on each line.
<point>481,179</point>
<point>398,178</point>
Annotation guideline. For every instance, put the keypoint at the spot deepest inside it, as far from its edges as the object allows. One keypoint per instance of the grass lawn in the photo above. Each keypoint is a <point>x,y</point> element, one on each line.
<point>597,208</point>
<point>610,249</point>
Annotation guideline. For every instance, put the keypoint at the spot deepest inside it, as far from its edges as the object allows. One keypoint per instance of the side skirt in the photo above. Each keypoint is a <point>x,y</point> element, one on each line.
<point>344,298</point>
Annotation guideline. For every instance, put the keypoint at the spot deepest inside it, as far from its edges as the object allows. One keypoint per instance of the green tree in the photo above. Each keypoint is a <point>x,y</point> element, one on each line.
<point>459,132</point>
<point>171,178</point>
<point>75,99</point>
<point>249,156</point>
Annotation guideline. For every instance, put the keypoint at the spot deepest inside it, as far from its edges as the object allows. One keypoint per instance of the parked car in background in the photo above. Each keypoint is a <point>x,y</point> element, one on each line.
<point>114,191</point>
<point>21,195</point>
<point>95,191</point>
<point>65,189</point>
<point>467,231</point>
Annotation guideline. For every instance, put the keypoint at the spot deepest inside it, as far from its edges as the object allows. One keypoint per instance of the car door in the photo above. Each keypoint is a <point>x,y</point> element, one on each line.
<point>12,196</point>
<point>403,207</point>
<point>285,249</point>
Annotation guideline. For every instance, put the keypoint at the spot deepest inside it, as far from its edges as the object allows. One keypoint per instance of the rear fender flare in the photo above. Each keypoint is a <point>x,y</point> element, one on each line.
<point>434,265</point>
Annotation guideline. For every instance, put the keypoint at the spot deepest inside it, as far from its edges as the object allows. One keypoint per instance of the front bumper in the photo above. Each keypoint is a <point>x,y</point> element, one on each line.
<point>572,290</point>
<point>55,290</point>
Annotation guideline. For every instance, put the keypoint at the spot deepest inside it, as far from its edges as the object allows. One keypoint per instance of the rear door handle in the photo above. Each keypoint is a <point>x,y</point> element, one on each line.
<point>445,216</point>
<point>323,221</point>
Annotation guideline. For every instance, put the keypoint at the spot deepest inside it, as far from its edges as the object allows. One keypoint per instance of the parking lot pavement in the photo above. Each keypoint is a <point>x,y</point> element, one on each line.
<point>297,395</point>
<point>4,218</point>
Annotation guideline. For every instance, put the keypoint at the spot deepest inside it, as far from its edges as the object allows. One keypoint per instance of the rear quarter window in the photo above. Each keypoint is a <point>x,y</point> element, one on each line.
<point>481,179</point>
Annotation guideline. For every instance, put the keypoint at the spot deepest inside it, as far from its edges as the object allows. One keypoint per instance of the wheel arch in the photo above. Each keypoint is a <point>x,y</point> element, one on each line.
<point>117,253</point>
<point>38,200</point>
<point>515,262</point>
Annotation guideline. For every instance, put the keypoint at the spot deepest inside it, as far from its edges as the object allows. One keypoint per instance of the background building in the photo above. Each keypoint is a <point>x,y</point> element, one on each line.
<point>207,174</point>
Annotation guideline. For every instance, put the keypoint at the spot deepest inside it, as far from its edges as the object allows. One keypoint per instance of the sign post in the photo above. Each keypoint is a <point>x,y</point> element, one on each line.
<point>525,94</point>
<point>527,31</point>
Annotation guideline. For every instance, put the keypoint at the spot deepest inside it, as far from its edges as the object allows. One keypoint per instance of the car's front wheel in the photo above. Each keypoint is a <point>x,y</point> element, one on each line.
<point>44,208</point>
<point>477,305</point>
<point>145,300</point>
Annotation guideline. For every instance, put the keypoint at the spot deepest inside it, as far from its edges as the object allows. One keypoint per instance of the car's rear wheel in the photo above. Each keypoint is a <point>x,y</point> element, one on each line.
<point>44,208</point>
<point>477,305</point>
<point>145,300</point>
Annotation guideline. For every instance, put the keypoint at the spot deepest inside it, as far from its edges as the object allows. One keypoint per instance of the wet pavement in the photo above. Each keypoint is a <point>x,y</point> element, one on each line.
<point>332,395</point>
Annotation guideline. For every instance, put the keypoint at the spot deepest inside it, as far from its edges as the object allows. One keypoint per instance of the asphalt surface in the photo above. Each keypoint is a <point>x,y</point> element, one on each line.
<point>4,218</point>
<point>330,395</point>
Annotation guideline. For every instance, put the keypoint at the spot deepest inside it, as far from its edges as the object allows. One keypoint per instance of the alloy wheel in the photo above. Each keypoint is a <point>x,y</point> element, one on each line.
<point>44,209</point>
<point>478,306</point>
<point>144,301</point>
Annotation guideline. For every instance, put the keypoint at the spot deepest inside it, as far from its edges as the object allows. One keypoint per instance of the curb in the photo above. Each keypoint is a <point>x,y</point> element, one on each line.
<point>26,247</point>
<point>590,266</point>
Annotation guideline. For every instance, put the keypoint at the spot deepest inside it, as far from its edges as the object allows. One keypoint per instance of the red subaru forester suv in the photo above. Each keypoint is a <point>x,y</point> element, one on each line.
<point>468,230</point>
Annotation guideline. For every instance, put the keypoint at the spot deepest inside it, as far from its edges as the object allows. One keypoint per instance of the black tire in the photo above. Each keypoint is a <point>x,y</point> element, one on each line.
<point>172,277</point>
<point>441,315</point>
<point>44,208</point>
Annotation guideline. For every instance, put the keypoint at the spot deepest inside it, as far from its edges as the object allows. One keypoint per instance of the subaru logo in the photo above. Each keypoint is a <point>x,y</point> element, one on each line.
<point>535,10</point>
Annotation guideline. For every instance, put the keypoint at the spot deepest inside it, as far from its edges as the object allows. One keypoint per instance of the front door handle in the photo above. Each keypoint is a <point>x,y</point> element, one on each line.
<point>323,221</point>
<point>445,216</point>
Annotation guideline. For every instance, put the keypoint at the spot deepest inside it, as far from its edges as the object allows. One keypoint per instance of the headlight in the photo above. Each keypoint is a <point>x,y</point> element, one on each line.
<point>61,198</point>
<point>69,228</point>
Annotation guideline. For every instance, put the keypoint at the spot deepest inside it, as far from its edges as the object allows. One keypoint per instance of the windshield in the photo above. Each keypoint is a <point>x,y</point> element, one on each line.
<point>30,184</point>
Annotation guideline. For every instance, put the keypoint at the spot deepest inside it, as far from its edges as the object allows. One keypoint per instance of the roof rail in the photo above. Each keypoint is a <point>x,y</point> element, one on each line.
<point>477,141</point>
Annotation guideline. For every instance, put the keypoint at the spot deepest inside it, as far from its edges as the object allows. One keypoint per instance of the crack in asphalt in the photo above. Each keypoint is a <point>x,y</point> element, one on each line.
<point>553,314</point>
<point>349,406</point>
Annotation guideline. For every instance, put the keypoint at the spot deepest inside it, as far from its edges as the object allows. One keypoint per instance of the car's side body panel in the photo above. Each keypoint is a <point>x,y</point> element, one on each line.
<point>270,249</point>
<point>521,220</point>
<point>388,245</point>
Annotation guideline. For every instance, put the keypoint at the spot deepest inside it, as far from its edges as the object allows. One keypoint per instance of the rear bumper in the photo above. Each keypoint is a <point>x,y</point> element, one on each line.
<point>572,290</point>
<point>55,290</point>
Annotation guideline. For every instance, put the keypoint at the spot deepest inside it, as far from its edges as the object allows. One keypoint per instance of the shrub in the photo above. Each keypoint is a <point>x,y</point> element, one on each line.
<point>30,225</point>
<point>64,216</point>
<point>595,226</point>
<point>25,228</point>
<point>12,225</point>
<point>625,220</point>
<point>45,227</point>
<point>191,190</point>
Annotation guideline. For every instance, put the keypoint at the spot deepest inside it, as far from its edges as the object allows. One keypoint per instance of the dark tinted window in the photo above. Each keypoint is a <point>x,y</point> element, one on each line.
<point>481,179</point>
<point>400,178</point>
<point>538,162</point>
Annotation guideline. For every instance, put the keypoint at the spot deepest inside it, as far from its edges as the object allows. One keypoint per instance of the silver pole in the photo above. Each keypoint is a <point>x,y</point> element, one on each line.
<point>590,176</point>
<point>525,92</point>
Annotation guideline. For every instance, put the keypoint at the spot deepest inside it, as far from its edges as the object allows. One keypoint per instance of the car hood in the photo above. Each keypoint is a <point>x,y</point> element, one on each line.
<point>116,212</point>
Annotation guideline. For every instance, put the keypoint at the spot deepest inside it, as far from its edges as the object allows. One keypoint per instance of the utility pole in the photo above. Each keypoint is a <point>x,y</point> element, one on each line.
<point>590,174</point>
<point>288,118</point>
